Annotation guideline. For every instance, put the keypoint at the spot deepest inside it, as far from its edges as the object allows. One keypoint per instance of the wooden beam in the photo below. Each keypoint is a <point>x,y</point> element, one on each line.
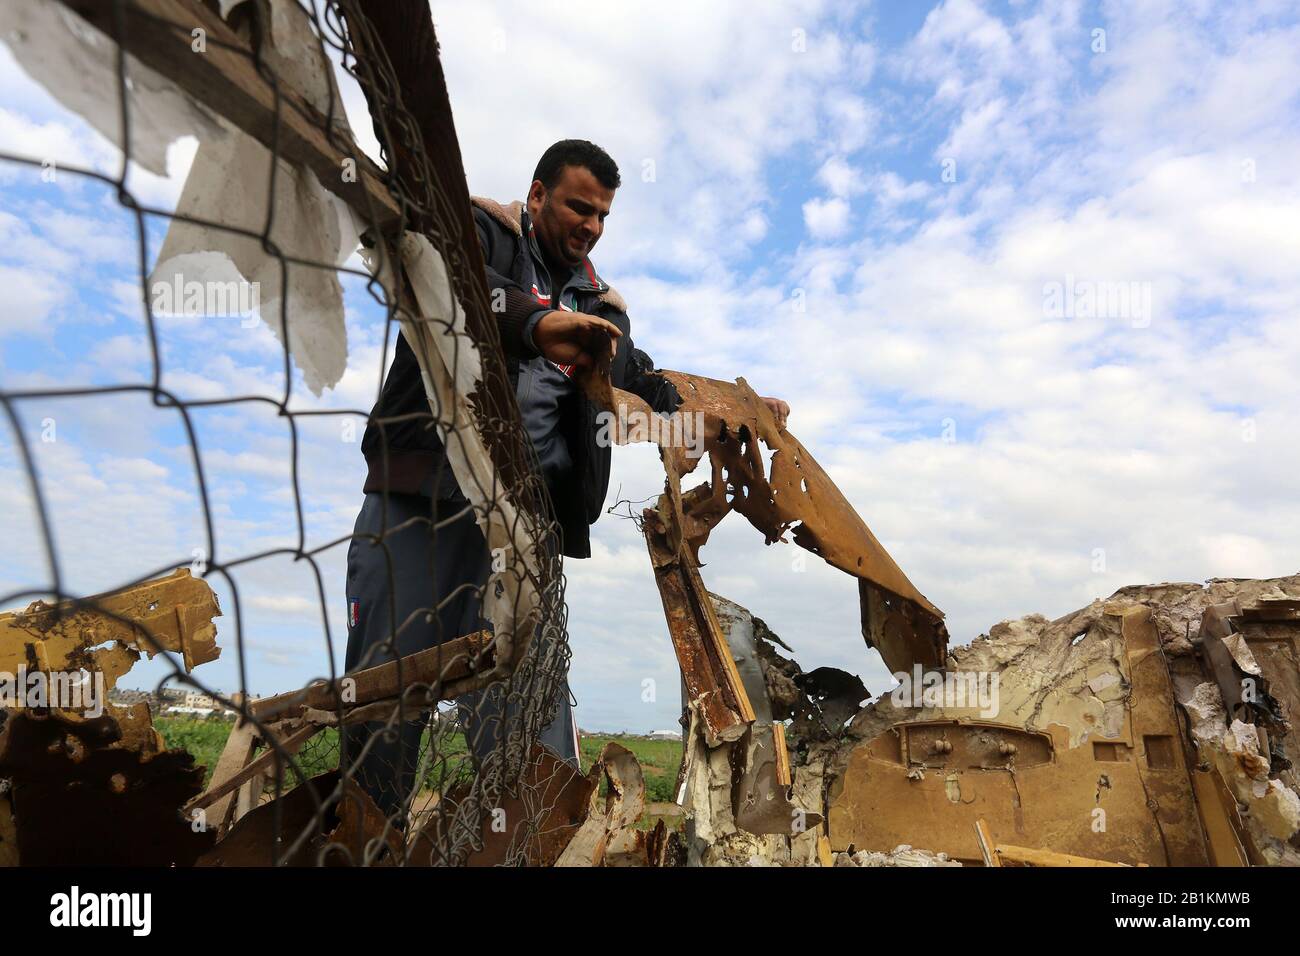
<point>267,759</point>
<point>988,849</point>
<point>225,79</point>
<point>452,661</point>
<point>1029,856</point>
<point>239,749</point>
<point>784,775</point>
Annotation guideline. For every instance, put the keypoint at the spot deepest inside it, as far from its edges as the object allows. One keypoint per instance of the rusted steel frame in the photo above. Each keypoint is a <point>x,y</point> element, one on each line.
<point>710,674</point>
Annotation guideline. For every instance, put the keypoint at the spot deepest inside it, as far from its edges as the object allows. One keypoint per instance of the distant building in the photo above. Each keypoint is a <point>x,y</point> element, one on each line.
<point>197,700</point>
<point>196,711</point>
<point>665,735</point>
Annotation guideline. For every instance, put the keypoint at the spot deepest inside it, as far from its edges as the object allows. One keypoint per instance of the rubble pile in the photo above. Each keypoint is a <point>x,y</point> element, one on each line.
<point>1106,737</point>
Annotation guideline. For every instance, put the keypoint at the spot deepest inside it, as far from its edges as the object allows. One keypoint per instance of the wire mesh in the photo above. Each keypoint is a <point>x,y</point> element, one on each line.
<point>461,776</point>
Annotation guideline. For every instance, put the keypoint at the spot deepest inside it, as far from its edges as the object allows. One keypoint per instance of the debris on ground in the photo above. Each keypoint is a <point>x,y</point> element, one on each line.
<point>94,783</point>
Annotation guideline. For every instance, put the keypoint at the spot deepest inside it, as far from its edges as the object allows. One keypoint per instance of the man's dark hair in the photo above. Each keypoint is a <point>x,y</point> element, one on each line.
<point>577,152</point>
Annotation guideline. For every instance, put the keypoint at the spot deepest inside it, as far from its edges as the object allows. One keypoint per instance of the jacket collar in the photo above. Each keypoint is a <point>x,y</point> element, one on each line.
<point>513,216</point>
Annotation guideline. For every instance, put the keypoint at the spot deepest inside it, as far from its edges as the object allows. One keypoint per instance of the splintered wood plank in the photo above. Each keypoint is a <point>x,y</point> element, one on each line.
<point>239,749</point>
<point>261,763</point>
<point>452,661</point>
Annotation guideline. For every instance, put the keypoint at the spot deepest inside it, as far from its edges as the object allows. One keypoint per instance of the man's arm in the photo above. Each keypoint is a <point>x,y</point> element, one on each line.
<point>528,328</point>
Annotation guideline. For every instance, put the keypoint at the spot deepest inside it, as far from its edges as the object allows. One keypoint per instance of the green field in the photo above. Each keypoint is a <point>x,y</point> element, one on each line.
<point>205,739</point>
<point>659,761</point>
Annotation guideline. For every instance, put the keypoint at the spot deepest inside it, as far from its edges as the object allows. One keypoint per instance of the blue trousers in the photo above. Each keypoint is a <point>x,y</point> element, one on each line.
<point>428,568</point>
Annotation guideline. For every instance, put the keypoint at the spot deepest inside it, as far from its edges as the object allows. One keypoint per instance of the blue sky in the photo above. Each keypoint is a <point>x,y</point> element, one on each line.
<point>798,153</point>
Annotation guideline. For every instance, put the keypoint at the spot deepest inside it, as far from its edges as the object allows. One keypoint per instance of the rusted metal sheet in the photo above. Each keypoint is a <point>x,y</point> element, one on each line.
<point>364,835</point>
<point>1084,756</point>
<point>108,632</point>
<point>624,802</point>
<point>791,494</point>
<point>795,494</point>
<point>299,824</point>
<point>710,674</point>
<point>1161,746</point>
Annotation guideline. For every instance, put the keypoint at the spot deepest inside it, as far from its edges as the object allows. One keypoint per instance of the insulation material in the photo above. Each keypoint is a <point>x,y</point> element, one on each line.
<point>229,181</point>
<point>623,804</point>
<point>1272,810</point>
<point>901,855</point>
<point>229,185</point>
<point>452,371</point>
<point>78,66</point>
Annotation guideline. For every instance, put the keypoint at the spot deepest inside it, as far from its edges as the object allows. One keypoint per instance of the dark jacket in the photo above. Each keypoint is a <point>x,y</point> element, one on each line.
<point>558,417</point>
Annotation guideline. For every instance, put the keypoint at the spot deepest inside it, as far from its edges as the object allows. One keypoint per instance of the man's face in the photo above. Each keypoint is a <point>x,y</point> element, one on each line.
<point>570,217</point>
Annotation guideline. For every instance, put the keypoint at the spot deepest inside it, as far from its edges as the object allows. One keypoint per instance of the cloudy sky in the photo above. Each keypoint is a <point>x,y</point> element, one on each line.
<point>1028,275</point>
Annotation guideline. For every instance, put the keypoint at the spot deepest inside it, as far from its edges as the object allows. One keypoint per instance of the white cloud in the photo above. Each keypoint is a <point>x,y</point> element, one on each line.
<point>1166,447</point>
<point>826,218</point>
<point>840,178</point>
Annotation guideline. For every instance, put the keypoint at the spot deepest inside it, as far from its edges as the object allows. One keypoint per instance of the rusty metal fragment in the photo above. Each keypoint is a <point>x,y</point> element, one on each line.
<point>101,787</point>
<point>735,779</point>
<point>712,681</point>
<point>297,826</point>
<point>791,492</point>
<point>78,795</point>
<point>624,802</point>
<point>108,632</point>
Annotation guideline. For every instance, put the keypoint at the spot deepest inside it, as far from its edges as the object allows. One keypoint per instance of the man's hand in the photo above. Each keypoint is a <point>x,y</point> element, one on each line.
<point>574,338</point>
<point>780,410</point>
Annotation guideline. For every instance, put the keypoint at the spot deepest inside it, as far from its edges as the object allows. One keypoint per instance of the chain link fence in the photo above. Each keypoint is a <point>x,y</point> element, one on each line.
<point>462,776</point>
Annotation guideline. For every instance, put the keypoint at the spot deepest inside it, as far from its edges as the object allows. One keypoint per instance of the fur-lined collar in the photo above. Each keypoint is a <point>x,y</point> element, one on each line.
<point>511,216</point>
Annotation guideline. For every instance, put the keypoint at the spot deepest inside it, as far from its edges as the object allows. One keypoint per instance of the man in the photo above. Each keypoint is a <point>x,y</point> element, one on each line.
<point>555,315</point>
